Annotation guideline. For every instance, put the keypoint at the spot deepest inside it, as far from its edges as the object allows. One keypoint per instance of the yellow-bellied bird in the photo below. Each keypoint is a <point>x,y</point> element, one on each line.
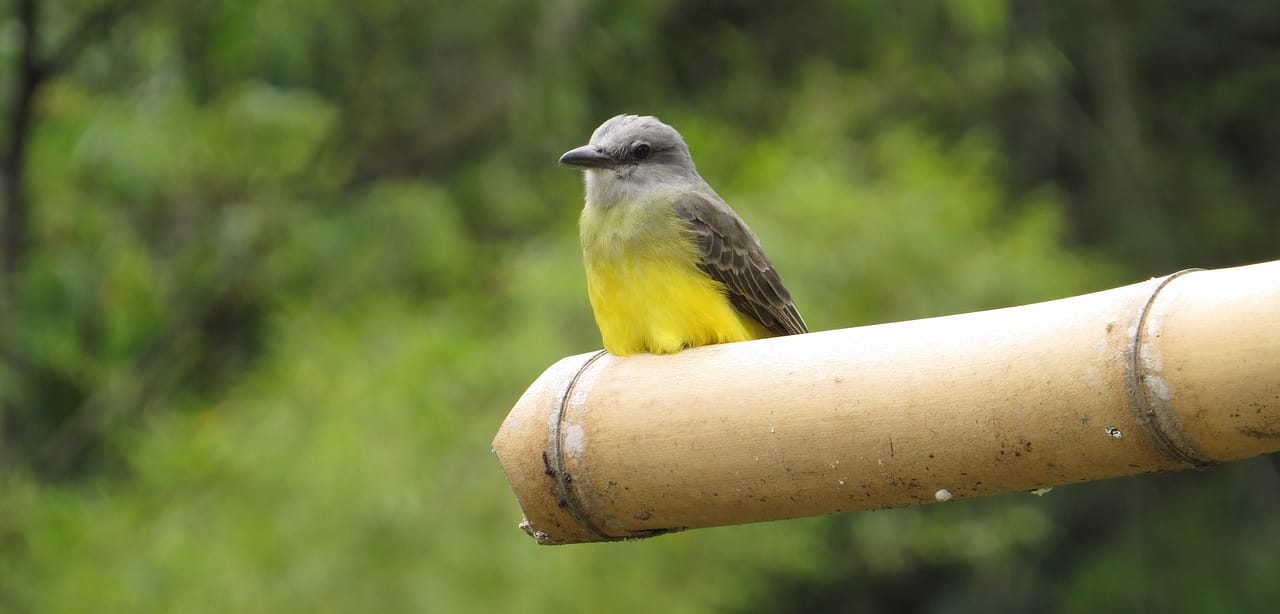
<point>669,264</point>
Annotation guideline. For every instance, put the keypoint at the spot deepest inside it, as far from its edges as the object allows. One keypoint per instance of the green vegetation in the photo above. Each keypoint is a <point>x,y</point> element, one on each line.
<point>285,266</point>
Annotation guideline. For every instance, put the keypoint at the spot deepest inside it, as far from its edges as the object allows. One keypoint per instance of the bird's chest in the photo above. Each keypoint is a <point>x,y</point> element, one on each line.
<point>634,232</point>
<point>646,289</point>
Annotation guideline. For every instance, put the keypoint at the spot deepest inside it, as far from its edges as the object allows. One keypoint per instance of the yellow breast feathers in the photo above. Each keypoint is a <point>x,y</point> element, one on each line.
<point>646,289</point>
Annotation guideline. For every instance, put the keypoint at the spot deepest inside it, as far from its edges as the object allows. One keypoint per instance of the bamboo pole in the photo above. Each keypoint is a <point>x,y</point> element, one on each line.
<point>1176,372</point>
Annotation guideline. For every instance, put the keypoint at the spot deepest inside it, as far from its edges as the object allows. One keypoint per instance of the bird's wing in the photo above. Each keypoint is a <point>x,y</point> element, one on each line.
<point>731,254</point>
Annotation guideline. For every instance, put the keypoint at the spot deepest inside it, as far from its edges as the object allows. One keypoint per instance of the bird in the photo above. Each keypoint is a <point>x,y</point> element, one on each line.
<point>669,264</point>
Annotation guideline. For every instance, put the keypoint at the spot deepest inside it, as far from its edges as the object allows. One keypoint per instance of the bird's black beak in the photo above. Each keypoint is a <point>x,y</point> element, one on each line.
<point>587,156</point>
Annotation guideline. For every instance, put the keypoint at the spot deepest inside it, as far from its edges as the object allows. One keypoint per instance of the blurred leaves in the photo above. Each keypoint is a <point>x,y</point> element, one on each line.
<point>291,261</point>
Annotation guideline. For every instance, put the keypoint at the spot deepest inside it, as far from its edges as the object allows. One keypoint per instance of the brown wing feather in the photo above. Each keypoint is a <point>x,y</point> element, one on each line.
<point>731,254</point>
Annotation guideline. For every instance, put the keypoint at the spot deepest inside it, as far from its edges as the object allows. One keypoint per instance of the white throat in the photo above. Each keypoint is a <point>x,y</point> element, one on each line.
<point>611,186</point>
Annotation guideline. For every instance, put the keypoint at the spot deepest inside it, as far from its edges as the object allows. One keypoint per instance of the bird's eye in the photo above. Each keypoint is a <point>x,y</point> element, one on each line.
<point>640,150</point>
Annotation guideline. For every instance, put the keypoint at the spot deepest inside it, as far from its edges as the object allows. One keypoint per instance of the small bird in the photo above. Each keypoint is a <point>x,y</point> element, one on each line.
<point>669,264</point>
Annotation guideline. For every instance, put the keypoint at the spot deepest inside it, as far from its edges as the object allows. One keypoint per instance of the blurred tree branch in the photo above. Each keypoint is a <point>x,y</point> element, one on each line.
<point>32,71</point>
<point>13,205</point>
<point>30,74</point>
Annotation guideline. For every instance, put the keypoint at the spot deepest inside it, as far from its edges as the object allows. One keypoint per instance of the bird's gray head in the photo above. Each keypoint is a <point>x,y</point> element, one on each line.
<point>630,156</point>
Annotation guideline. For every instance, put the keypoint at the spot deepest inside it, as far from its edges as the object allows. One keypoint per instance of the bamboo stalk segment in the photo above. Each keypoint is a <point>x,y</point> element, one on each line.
<point>1210,354</point>
<point>1176,372</point>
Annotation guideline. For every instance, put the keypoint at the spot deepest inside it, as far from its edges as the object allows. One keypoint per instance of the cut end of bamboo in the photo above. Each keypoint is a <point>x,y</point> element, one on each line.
<point>524,445</point>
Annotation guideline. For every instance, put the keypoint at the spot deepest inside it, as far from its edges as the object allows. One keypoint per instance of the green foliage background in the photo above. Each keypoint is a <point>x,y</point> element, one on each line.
<point>290,262</point>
